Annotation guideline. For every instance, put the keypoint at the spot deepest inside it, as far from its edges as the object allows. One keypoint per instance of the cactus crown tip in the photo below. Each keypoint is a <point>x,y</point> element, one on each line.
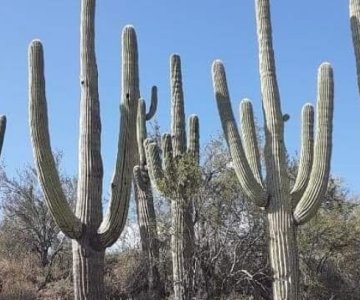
<point>129,27</point>
<point>326,65</point>
<point>218,61</point>
<point>129,30</point>
<point>308,105</point>
<point>325,69</point>
<point>36,43</point>
<point>217,65</point>
<point>245,101</point>
<point>175,57</point>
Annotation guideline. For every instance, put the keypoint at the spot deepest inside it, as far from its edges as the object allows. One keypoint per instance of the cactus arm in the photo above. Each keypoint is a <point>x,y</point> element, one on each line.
<point>45,163</point>
<point>194,137</point>
<point>153,105</point>
<point>306,153</point>
<point>355,30</point>
<point>141,179</point>
<point>141,130</point>
<point>177,108</point>
<point>154,163</point>
<point>251,187</point>
<point>310,201</point>
<point>2,130</point>
<point>89,191</point>
<point>166,145</point>
<point>249,139</point>
<point>114,222</point>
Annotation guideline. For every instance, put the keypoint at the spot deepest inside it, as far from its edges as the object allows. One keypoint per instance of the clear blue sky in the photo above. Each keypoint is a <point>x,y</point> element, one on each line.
<point>306,33</point>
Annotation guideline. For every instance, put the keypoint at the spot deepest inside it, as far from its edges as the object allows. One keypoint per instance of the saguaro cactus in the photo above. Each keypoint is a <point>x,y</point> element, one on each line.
<point>91,234</point>
<point>354,7</point>
<point>177,180</point>
<point>286,208</point>
<point>2,130</point>
<point>145,202</point>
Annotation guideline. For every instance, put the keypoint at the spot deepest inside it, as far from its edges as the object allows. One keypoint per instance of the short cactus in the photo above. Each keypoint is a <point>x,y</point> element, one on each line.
<point>91,234</point>
<point>176,177</point>
<point>286,208</point>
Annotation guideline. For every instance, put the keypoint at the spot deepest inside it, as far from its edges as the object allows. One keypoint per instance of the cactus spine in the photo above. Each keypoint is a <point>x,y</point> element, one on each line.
<point>2,131</point>
<point>175,176</point>
<point>91,234</point>
<point>286,208</point>
<point>145,202</point>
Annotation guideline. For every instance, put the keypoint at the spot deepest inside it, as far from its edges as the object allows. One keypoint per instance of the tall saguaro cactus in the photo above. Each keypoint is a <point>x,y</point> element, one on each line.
<point>2,130</point>
<point>176,177</point>
<point>145,202</point>
<point>286,208</point>
<point>91,234</point>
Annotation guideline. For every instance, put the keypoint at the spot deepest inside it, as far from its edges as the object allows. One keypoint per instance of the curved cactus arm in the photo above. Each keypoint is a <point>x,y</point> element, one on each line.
<point>319,176</point>
<point>178,130</point>
<point>355,30</point>
<point>194,137</point>
<point>153,105</point>
<point>306,153</point>
<point>154,163</point>
<point>114,222</point>
<point>141,133</point>
<point>251,187</point>
<point>2,130</point>
<point>249,139</point>
<point>45,163</point>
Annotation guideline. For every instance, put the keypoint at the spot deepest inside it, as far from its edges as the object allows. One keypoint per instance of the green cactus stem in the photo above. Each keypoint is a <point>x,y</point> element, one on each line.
<point>286,209</point>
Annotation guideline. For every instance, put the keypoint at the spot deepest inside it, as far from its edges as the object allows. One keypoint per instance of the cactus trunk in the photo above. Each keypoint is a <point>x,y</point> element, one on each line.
<point>189,246</point>
<point>149,239</point>
<point>283,254</point>
<point>177,249</point>
<point>182,248</point>
<point>88,263</point>
<point>88,270</point>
